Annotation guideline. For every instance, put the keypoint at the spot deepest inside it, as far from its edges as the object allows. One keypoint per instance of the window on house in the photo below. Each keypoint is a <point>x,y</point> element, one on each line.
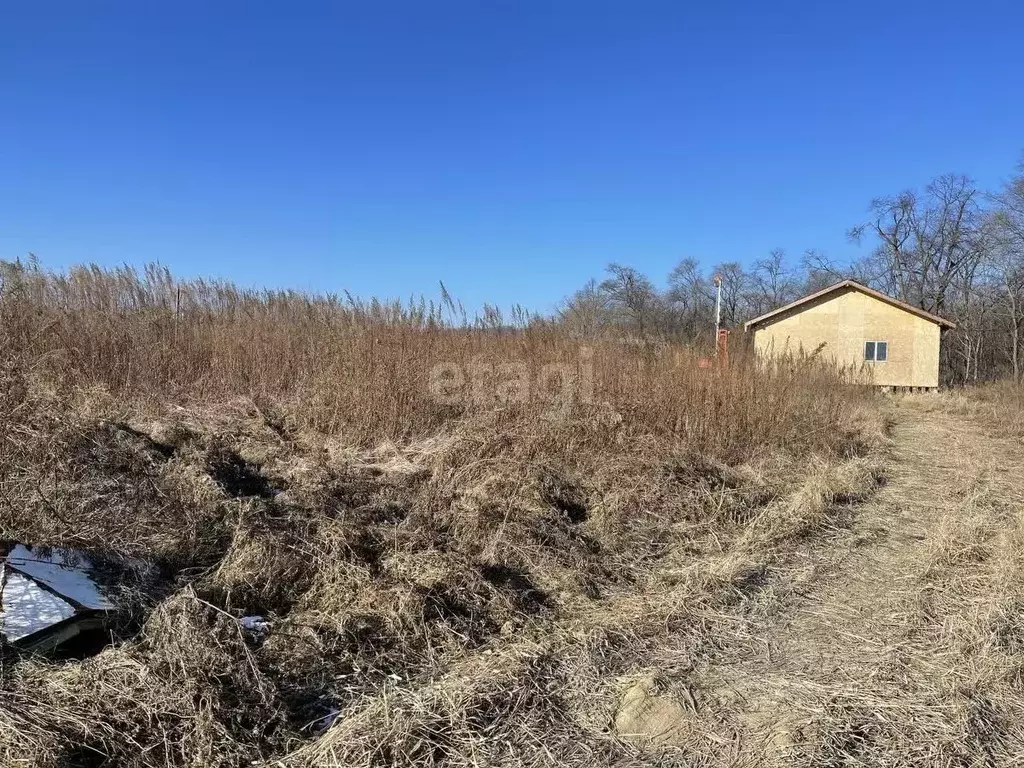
<point>877,351</point>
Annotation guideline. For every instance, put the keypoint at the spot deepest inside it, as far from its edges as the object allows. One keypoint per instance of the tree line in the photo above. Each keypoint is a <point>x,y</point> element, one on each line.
<point>950,248</point>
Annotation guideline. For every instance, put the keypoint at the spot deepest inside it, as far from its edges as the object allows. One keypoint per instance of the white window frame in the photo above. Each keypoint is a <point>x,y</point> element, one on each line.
<point>874,352</point>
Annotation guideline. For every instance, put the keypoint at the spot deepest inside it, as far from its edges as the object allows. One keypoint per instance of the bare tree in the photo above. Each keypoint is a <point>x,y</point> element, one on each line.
<point>690,298</point>
<point>586,312</point>
<point>925,241</point>
<point>819,271</point>
<point>771,283</point>
<point>1008,263</point>
<point>931,249</point>
<point>633,295</point>
<point>1010,268</point>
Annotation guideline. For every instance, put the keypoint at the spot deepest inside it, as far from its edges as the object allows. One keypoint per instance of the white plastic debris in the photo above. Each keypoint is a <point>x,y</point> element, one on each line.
<point>255,624</point>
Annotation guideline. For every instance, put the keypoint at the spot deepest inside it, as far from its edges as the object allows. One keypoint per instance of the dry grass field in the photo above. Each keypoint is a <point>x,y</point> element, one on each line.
<point>593,552</point>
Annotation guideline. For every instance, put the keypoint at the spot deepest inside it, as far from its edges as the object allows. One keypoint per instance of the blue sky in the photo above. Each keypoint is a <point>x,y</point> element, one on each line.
<point>510,149</point>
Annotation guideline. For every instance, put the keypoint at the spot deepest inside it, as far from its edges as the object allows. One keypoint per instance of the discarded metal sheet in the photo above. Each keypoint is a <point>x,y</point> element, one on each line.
<point>48,596</point>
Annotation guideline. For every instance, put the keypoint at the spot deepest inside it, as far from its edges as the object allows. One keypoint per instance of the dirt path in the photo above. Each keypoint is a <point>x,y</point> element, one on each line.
<point>849,620</point>
<point>852,614</point>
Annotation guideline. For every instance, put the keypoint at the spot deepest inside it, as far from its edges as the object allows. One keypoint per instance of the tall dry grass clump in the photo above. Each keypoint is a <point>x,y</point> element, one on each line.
<point>469,529</point>
<point>1001,403</point>
<point>370,370</point>
<point>998,404</point>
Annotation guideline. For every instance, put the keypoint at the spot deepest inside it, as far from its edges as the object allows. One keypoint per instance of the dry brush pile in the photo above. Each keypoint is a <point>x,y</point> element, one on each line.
<point>440,580</point>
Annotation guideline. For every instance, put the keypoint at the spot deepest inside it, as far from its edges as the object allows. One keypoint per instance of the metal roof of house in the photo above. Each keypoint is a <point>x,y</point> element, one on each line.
<point>851,285</point>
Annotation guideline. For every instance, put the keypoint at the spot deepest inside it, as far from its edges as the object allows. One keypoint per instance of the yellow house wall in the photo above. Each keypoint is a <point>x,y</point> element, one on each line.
<point>840,324</point>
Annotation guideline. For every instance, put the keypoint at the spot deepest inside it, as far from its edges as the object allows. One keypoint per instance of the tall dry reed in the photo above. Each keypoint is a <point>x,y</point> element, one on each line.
<point>370,369</point>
